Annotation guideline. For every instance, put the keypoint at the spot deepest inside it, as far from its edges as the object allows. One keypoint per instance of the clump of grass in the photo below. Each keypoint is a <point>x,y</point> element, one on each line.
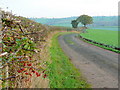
<point>62,73</point>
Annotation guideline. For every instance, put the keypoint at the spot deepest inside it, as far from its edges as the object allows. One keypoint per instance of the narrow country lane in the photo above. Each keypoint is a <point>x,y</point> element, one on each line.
<point>99,66</point>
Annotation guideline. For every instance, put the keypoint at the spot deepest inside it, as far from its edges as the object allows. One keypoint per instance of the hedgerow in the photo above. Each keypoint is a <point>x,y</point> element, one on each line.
<point>20,38</point>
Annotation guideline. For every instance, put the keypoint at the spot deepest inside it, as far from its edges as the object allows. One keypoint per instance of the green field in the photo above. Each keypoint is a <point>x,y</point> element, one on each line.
<point>112,28</point>
<point>62,73</point>
<point>102,36</point>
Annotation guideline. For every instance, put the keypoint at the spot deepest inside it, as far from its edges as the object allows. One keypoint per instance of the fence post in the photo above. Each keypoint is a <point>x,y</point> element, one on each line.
<point>0,47</point>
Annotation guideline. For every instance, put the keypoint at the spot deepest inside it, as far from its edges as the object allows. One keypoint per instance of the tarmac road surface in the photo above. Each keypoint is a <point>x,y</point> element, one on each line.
<point>98,66</point>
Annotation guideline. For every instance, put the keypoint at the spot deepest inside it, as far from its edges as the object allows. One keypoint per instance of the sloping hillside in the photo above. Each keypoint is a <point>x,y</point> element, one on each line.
<point>98,21</point>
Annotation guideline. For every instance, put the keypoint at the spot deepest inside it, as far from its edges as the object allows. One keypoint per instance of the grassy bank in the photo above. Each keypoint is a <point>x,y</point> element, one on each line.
<point>62,73</point>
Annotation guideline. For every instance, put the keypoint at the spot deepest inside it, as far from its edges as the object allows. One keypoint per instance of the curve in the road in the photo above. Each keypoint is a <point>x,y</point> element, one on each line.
<point>98,65</point>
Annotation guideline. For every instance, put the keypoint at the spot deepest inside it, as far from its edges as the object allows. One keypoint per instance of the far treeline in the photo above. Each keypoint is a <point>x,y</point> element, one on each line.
<point>98,21</point>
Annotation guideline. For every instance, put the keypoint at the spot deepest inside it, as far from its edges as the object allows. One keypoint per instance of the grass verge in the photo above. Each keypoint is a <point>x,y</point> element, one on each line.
<point>61,72</point>
<point>107,48</point>
<point>102,36</point>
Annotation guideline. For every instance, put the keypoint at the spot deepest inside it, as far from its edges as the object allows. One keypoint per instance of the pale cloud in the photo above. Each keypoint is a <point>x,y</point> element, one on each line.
<point>61,8</point>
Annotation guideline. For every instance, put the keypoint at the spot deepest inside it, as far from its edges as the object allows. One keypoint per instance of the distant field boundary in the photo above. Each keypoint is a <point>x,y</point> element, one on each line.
<point>105,46</point>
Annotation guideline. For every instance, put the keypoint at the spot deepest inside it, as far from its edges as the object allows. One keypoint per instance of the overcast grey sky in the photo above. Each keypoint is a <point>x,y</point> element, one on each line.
<point>61,8</point>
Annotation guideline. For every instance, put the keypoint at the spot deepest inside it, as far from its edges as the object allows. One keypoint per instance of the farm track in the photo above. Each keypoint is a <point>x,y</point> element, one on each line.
<point>99,66</point>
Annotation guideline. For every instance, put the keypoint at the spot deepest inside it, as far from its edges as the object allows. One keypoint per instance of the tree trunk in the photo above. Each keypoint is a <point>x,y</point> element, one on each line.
<point>84,25</point>
<point>84,30</point>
